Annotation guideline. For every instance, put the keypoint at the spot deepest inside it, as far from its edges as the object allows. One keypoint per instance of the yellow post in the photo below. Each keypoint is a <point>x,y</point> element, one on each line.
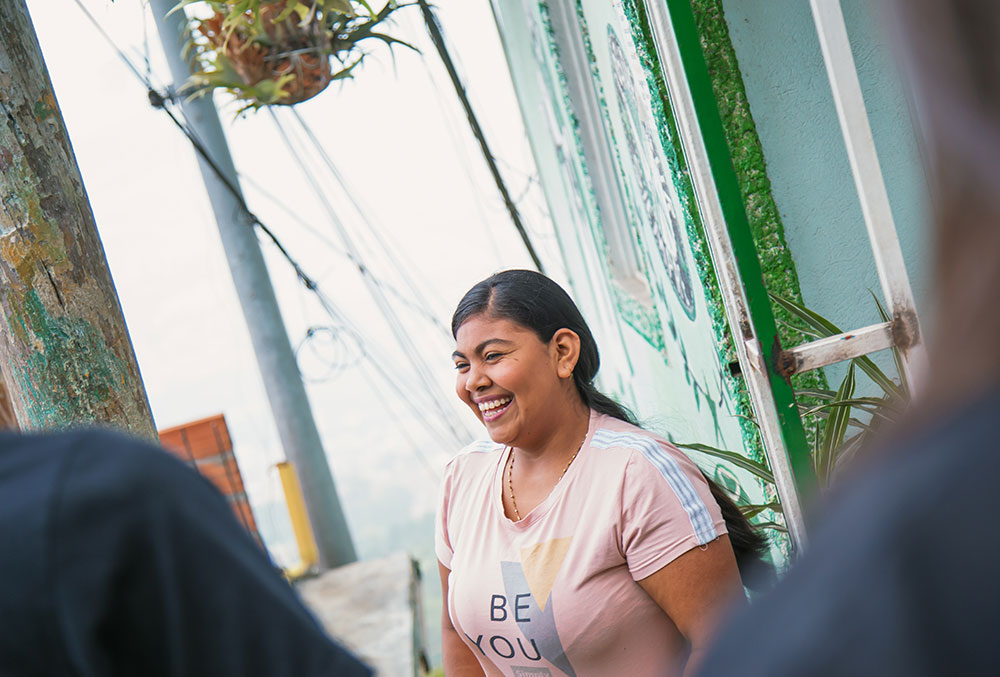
<point>308,554</point>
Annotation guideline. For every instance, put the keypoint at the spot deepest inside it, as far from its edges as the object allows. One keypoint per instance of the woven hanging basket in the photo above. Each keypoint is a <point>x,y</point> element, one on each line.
<point>269,54</point>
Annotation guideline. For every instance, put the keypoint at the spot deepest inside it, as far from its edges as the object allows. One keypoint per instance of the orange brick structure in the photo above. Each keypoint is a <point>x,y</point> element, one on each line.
<point>206,446</point>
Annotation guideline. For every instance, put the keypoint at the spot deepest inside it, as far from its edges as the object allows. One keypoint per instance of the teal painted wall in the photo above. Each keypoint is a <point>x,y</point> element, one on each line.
<point>790,99</point>
<point>665,345</point>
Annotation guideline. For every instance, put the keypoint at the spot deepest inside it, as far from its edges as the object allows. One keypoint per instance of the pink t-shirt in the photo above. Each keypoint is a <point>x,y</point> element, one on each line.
<point>555,593</point>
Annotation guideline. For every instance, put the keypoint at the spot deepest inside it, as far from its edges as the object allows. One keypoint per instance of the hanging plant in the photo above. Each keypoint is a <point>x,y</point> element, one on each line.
<point>280,52</point>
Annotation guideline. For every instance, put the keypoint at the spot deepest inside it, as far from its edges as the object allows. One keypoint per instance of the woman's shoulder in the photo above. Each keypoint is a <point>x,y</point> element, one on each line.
<point>611,433</point>
<point>643,449</point>
<point>475,455</point>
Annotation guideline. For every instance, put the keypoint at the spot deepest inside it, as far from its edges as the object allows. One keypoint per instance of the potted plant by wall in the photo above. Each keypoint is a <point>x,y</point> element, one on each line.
<point>842,421</point>
<point>281,52</point>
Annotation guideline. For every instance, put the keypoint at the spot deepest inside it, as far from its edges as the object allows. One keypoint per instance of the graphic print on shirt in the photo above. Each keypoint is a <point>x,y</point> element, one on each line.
<point>527,600</point>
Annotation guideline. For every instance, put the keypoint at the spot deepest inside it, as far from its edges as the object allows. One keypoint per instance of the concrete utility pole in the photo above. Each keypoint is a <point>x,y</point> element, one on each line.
<point>275,358</point>
<point>65,352</point>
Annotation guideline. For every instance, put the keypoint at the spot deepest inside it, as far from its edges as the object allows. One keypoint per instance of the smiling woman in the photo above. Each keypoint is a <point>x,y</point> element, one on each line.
<point>572,542</point>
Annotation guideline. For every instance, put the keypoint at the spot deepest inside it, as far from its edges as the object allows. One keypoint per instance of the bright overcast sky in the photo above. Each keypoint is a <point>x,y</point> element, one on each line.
<point>399,137</point>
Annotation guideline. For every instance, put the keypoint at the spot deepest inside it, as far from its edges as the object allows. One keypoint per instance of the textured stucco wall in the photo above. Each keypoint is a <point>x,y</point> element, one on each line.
<point>769,77</point>
<point>792,105</point>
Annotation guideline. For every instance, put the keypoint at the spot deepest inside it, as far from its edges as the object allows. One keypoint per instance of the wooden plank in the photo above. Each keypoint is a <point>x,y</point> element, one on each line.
<point>837,348</point>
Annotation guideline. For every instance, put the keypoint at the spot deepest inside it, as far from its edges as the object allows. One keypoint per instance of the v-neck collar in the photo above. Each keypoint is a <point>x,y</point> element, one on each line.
<point>560,488</point>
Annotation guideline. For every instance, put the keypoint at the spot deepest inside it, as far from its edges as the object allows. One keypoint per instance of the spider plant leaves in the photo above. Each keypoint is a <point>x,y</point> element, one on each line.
<point>740,461</point>
<point>798,328</point>
<point>880,407</point>
<point>823,328</point>
<point>847,452</point>
<point>818,393</point>
<point>836,427</point>
<point>823,412</point>
<point>751,511</point>
<point>815,323</point>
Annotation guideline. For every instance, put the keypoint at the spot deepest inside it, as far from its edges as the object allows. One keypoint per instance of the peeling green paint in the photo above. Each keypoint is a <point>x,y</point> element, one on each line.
<point>66,350</point>
<point>45,107</point>
<point>73,375</point>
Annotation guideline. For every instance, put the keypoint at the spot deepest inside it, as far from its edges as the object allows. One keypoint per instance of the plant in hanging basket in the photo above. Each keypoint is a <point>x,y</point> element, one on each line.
<point>268,52</point>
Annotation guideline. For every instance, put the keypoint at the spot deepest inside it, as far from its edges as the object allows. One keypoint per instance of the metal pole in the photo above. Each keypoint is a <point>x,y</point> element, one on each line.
<point>275,358</point>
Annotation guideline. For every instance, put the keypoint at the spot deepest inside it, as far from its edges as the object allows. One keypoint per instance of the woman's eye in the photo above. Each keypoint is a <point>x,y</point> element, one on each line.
<point>461,366</point>
<point>491,357</point>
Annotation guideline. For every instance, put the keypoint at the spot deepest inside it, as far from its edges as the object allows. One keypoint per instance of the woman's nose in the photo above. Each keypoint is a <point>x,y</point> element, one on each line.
<point>475,379</point>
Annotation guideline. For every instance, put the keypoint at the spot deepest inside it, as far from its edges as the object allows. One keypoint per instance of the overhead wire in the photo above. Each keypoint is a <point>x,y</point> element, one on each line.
<point>313,287</point>
<point>531,178</point>
<point>118,50</point>
<point>437,37</point>
<point>417,449</point>
<point>379,362</point>
<point>388,312</point>
<point>372,224</point>
<point>451,125</point>
<point>453,58</point>
<point>334,366</point>
<point>159,100</point>
<point>419,305</point>
<point>326,303</point>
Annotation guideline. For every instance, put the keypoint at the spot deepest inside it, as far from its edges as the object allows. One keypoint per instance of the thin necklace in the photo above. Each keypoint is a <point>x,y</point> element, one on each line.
<point>510,483</point>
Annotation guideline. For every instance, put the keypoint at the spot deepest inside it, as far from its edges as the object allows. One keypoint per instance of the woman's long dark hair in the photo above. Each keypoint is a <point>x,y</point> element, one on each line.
<point>534,301</point>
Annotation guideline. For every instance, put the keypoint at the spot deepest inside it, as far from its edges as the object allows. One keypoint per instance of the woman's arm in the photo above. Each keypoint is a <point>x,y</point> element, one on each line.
<point>459,661</point>
<point>697,590</point>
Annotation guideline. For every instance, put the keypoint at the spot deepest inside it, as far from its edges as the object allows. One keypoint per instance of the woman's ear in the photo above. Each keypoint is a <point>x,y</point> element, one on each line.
<point>565,344</point>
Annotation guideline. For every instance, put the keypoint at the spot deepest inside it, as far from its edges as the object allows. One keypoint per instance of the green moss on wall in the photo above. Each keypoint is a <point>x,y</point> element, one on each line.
<point>745,148</point>
<point>777,265</point>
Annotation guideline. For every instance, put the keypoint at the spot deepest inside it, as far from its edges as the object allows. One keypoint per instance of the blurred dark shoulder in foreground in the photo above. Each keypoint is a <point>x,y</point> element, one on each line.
<point>901,579</point>
<point>117,559</point>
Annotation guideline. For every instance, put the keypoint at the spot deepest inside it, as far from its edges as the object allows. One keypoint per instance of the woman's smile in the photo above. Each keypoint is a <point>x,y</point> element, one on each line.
<point>507,375</point>
<point>494,408</point>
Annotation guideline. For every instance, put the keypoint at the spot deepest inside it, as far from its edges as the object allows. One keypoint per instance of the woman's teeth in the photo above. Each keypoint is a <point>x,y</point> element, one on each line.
<point>492,408</point>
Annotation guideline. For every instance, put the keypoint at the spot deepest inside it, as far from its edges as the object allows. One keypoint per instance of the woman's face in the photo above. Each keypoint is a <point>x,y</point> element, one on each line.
<point>510,379</point>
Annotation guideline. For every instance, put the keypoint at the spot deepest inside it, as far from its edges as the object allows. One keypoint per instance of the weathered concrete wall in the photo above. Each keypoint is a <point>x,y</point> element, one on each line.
<point>65,352</point>
<point>375,609</point>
